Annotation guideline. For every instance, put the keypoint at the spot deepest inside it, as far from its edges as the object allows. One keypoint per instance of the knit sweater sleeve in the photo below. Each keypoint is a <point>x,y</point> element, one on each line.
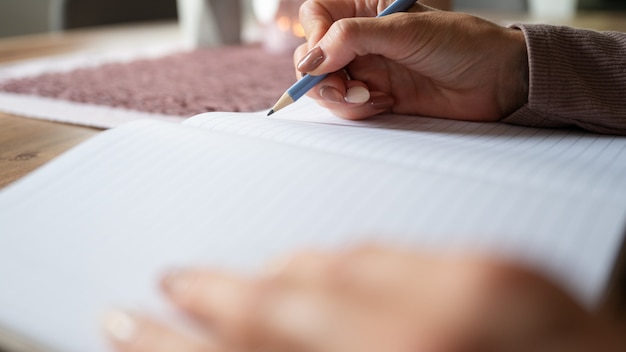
<point>576,78</point>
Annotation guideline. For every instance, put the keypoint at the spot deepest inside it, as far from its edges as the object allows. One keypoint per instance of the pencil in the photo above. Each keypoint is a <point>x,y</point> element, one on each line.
<point>302,86</point>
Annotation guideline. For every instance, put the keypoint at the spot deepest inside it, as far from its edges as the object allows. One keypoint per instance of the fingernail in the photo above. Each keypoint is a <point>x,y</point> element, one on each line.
<point>311,60</point>
<point>120,326</point>
<point>331,94</point>
<point>357,95</point>
<point>177,282</point>
<point>381,101</point>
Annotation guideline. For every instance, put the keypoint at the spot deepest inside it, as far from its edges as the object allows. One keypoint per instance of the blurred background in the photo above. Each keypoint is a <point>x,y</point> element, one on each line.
<point>19,17</point>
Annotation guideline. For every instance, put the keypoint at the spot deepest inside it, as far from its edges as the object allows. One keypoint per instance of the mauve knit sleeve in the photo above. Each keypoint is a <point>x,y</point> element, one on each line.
<point>576,77</point>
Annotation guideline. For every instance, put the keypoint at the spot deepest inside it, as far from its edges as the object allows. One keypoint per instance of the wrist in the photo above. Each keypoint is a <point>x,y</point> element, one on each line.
<point>514,82</point>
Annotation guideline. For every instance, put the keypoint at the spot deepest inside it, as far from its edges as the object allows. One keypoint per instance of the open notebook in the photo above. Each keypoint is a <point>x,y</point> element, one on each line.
<point>95,228</point>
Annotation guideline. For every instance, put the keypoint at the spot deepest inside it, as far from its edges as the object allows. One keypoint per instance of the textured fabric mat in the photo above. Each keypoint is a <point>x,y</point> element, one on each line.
<point>244,78</point>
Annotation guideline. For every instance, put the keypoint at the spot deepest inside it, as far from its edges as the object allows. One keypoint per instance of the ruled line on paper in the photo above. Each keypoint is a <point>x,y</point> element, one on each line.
<point>487,151</point>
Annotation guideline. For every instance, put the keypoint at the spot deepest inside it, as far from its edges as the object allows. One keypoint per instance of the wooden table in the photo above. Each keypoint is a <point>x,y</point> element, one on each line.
<point>26,144</point>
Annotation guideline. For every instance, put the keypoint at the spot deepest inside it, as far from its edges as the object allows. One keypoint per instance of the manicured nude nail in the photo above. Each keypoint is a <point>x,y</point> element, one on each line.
<point>120,326</point>
<point>177,282</point>
<point>357,95</point>
<point>311,60</point>
<point>331,94</point>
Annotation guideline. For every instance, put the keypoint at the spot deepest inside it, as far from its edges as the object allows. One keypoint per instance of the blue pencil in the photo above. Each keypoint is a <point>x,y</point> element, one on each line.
<point>298,89</point>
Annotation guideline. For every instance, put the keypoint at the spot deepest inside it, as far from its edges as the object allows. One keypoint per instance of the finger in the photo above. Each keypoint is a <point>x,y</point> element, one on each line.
<point>378,103</point>
<point>371,268</point>
<point>336,80</point>
<point>349,38</point>
<point>332,89</point>
<point>364,269</point>
<point>244,314</point>
<point>318,15</point>
<point>212,297</point>
<point>308,267</point>
<point>318,18</point>
<point>323,273</point>
<point>298,54</point>
<point>350,93</point>
<point>251,315</point>
<point>310,315</point>
<point>304,309</point>
<point>129,332</point>
<point>350,99</point>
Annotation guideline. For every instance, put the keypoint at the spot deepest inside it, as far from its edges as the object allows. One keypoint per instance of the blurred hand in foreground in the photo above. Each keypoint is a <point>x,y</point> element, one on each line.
<point>368,299</point>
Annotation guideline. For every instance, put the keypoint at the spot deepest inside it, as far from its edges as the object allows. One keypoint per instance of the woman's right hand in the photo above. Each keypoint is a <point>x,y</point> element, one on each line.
<point>423,62</point>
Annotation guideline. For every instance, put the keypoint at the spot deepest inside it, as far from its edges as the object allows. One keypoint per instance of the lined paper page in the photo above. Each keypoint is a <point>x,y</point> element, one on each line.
<point>558,161</point>
<point>95,228</point>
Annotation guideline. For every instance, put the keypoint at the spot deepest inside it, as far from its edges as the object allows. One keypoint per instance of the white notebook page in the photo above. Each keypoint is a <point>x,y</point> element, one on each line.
<point>97,227</point>
<point>551,160</point>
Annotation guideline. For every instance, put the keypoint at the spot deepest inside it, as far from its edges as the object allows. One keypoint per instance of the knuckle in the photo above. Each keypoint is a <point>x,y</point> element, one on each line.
<point>305,259</point>
<point>486,278</point>
<point>345,264</point>
<point>343,29</point>
<point>307,7</point>
<point>364,252</point>
<point>244,327</point>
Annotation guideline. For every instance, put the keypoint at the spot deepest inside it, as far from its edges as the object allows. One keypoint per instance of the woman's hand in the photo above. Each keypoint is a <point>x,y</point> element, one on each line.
<point>424,62</point>
<point>368,299</point>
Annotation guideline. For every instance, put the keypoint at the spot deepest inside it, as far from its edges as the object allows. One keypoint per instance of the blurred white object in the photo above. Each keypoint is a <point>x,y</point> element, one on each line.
<point>207,23</point>
<point>265,10</point>
<point>281,29</point>
<point>553,9</point>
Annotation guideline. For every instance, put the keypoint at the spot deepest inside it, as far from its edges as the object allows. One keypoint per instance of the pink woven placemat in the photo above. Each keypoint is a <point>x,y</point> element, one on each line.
<point>243,78</point>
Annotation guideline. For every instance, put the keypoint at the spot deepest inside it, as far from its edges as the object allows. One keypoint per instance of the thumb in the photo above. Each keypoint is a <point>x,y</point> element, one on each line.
<point>351,37</point>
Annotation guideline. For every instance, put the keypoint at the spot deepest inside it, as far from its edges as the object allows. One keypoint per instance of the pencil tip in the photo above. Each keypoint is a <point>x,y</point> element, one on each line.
<point>271,112</point>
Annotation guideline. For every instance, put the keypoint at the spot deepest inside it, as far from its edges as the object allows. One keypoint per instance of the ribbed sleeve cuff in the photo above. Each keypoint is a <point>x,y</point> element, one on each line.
<point>576,78</point>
